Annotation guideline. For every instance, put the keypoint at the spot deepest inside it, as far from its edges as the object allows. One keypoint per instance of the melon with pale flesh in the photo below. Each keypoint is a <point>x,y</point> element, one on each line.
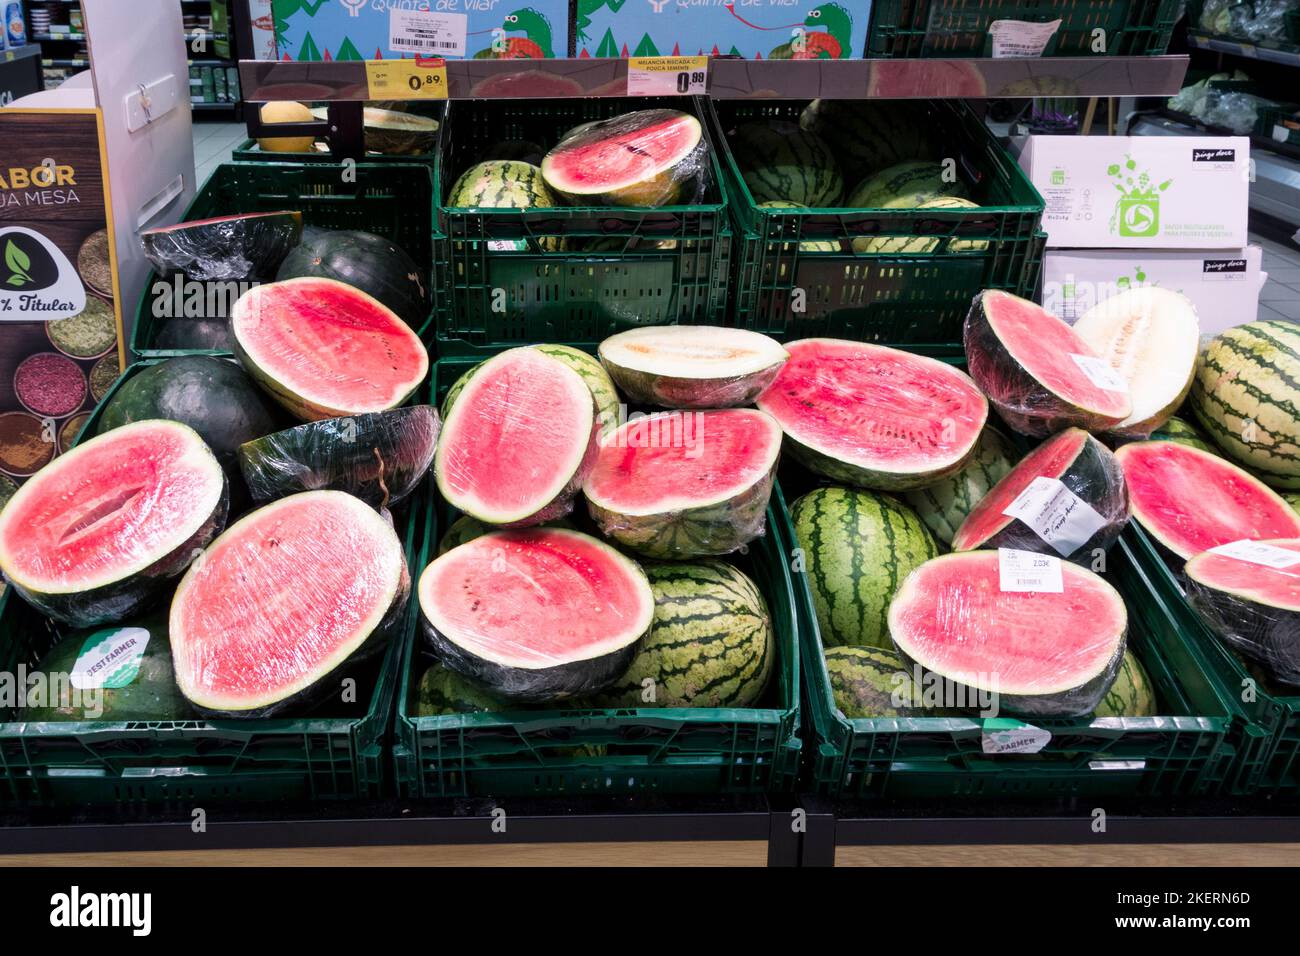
<point>283,600</point>
<point>1191,501</point>
<point>1151,337</point>
<point>519,441</point>
<point>692,366</point>
<point>536,614</point>
<point>1042,653</point>
<point>873,416</point>
<point>1079,502</point>
<point>324,349</point>
<point>1038,372</point>
<point>685,484</point>
<point>97,534</point>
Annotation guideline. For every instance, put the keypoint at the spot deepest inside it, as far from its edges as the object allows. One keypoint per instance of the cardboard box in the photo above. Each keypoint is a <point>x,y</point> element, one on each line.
<point>771,29</point>
<point>1224,285</point>
<point>455,29</point>
<point>1141,192</point>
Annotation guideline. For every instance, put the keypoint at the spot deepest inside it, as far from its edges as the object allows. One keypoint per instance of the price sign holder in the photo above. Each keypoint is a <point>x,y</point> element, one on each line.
<point>668,76</point>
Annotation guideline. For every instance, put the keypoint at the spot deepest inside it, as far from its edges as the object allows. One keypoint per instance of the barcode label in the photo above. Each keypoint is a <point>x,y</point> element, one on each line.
<point>1020,38</point>
<point>418,31</point>
<point>1100,373</point>
<point>1029,571</point>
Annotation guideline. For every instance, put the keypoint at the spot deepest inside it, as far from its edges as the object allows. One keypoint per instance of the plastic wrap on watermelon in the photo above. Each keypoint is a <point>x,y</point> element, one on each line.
<point>247,247</point>
<point>536,614</point>
<point>1248,594</point>
<point>380,457</point>
<point>685,484</point>
<point>1010,632</point>
<point>655,157</point>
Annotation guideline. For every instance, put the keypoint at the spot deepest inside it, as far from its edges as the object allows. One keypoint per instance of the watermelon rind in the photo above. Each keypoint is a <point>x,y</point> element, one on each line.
<point>1244,396</point>
<point>465,529</point>
<point>370,632</point>
<point>681,525</point>
<point>247,246</point>
<point>692,366</point>
<point>547,502</point>
<point>944,505</point>
<point>1067,689</point>
<point>442,691</point>
<point>918,245</point>
<point>133,587</point>
<point>1131,695</point>
<point>866,682</point>
<point>711,644</point>
<point>1092,473</point>
<point>867,135</point>
<point>906,185</point>
<point>379,457</point>
<point>1178,430</point>
<point>524,680</point>
<point>779,161</point>
<point>855,548</point>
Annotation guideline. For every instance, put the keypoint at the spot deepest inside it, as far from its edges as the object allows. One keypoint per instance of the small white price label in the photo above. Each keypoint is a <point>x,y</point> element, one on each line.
<point>1023,571</point>
<point>1056,514</point>
<point>1258,552</point>
<point>1002,735</point>
<point>1100,373</point>
<point>1021,38</point>
<point>430,33</point>
<point>667,75</point>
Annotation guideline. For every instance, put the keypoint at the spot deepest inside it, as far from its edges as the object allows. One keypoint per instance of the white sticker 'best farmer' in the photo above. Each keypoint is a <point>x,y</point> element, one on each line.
<point>1020,38</point>
<point>1100,373</point>
<point>1029,571</point>
<point>1003,735</point>
<point>1056,514</point>
<point>1258,552</point>
<point>110,658</point>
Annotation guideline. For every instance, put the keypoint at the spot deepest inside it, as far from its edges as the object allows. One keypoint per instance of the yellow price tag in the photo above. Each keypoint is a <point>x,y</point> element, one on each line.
<point>418,78</point>
<point>667,75</point>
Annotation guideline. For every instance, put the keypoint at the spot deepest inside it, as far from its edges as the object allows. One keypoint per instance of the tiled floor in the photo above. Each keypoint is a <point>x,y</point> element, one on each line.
<point>212,145</point>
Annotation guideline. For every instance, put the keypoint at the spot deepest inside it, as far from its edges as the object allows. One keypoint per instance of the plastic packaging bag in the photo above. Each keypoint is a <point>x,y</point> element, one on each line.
<point>238,248</point>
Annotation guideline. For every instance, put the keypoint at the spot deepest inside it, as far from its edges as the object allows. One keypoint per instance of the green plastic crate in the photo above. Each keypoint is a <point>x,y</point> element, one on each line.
<point>141,765</point>
<point>497,297</point>
<point>901,299</point>
<point>394,200</point>
<point>959,28</point>
<point>655,750</point>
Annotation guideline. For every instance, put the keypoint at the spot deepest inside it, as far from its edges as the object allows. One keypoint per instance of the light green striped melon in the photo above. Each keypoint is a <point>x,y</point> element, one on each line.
<point>905,186</point>
<point>907,245</point>
<point>1131,695</point>
<point>944,506</point>
<point>783,162</point>
<point>867,134</point>
<point>857,547</point>
<point>1178,430</point>
<point>505,184</point>
<point>812,245</point>
<point>1246,396</point>
<point>711,644</point>
<point>865,682</point>
<point>442,691</point>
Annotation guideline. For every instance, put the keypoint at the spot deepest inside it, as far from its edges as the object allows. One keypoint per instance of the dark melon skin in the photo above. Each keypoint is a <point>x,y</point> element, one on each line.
<point>230,248</point>
<point>1095,475</point>
<point>1269,636</point>
<point>379,457</point>
<point>182,334</point>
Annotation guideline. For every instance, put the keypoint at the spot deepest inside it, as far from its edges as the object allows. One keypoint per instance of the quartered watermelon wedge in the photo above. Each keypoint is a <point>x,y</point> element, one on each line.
<point>1191,501</point>
<point>536,614</point>
<point>96,534</point>
<point>874,416</point>
<point>1039,373</point>
<point>229,248</point>
<point>282,600</point>
<point>1042,653</point>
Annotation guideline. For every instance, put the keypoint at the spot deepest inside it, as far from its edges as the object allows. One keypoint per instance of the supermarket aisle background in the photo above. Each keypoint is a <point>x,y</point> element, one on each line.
<point>214,141</point>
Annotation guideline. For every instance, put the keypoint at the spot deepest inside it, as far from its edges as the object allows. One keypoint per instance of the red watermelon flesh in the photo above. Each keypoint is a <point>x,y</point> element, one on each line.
<point>282,599</point>
<point>324,349</point>
<point>1050,654</point>
<point>1022,356</point>
<point>519,440</point>
<point>1191,501</point>
<point>1275,587</point>
<point>875,416</point>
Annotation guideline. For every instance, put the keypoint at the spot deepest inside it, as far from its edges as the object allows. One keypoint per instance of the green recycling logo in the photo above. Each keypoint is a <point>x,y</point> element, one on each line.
<point>1137,211</point>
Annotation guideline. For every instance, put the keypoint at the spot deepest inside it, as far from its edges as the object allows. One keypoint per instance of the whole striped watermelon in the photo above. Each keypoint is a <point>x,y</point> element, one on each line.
<point>1181,431</point>
<point>869,682</point>
<point>867,135</point>
<point>857,547</point>
<point>1131,695</point>
<point>906,186</point>
<point>442,691</point>
<point>1293,499</point>
<point>944,506</point>
<point>505,184</point>
<point>910,245</point>
<point>779,161</point>
<point>1246,396</point>
<point>711,644</point>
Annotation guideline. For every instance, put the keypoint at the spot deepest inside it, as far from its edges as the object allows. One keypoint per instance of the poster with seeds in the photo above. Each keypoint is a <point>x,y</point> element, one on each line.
<point>60,322</point>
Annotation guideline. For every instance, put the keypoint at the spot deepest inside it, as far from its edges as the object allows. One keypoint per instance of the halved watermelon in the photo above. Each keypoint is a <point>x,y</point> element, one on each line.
<point>1043,654</point>
<point>1252,606</point>
<point>685,484</point>
<point>1038,372</point>
<point>324,349</point>
<point>248,246</point>
<point>1191,501</point>
<point>692,366</point>
<point>644,158</point>
<point>282,600</point>
<point>380,457</point>
<point>536,614</point>
<point>519,440</point>
<point>95,535</point>
<point>874,416</point>
<point>1075,502</point>
<point>1151,337</point>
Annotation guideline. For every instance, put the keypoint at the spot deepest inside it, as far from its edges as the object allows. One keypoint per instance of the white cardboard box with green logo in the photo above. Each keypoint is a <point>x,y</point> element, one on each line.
<point>1141,192</point>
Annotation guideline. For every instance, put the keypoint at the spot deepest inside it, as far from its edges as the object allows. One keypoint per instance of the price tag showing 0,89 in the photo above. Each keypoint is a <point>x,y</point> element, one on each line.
<point>667,75</point>
<point>420,78</point>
